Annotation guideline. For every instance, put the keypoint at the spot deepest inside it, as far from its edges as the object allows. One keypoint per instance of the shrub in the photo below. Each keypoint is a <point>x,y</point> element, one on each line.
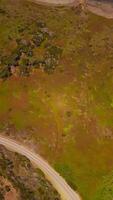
<point>5,72</point>
<point>24,67</point>
<point>38,38</point>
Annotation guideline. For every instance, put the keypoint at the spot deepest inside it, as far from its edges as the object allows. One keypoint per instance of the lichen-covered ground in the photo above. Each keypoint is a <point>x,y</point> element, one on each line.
<point>56,89</point>
<point>19,180</point>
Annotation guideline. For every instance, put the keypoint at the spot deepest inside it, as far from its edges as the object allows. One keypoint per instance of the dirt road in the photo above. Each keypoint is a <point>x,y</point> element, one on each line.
<point>57,181</point>
<point>102,8</point>
<point>55,2</point>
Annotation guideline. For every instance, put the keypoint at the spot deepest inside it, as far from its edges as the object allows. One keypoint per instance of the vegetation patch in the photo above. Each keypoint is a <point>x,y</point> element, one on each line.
<point>23,57</point>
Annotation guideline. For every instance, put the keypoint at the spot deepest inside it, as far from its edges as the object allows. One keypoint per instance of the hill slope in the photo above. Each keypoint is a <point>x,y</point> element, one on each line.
<point>56,90</point>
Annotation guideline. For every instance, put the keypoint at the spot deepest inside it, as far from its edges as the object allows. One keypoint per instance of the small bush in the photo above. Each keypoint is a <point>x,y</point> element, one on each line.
<point>5,72</point>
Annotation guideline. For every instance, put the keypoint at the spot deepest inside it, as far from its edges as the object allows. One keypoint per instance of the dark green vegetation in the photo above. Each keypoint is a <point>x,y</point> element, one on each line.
<point>66,115</point>
<point>23,54</point>
<point>29,183</point>
<point>105,190</point>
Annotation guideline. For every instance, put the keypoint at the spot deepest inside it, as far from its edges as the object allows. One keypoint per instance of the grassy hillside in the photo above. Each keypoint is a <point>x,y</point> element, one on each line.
<point>56,89</point>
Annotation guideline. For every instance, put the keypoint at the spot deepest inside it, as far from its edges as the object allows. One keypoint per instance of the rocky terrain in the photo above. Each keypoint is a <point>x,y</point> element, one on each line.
<point>19,180</point>
<point>23,58</point>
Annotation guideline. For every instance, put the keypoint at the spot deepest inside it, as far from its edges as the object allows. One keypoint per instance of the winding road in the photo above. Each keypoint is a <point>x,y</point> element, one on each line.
<point>56,180</point>
<point>55,2</point>
<point>103,8</point>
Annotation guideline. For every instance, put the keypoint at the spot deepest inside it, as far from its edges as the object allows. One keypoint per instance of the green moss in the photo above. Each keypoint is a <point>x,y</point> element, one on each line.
<point>19,119</point>
<point>105,191</point>
<point>67,173</point>
<point>67,129</point>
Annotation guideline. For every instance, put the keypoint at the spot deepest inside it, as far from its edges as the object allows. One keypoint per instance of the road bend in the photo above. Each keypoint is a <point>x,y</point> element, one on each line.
<point>66,192</point>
